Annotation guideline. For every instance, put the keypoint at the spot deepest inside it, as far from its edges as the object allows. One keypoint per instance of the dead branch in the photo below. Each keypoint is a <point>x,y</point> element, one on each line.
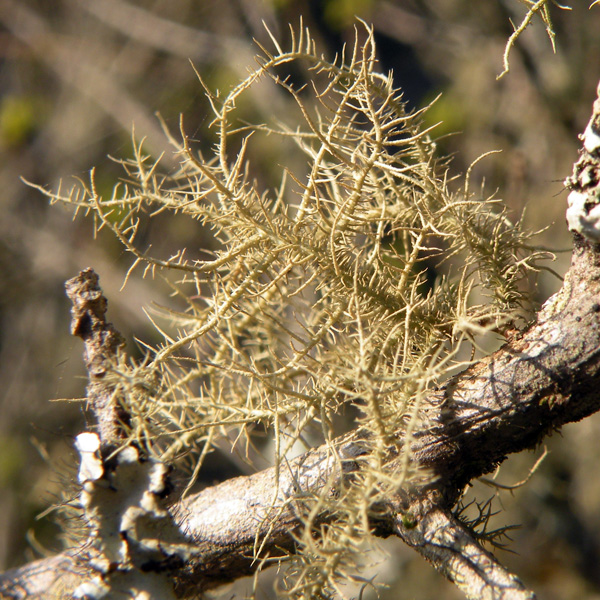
<point>102,343</point>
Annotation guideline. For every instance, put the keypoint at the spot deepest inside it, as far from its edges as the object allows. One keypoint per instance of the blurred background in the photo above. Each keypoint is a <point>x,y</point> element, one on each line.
<point>77,75</point>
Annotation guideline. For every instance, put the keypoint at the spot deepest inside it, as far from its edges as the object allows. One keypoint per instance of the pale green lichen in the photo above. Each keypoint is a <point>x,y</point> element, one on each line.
<point>362,278</point>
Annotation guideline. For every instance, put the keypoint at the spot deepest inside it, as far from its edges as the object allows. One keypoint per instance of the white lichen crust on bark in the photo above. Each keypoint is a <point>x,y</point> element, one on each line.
<point>135,540</point>
<point>583,212</point>
<point>122,505</point>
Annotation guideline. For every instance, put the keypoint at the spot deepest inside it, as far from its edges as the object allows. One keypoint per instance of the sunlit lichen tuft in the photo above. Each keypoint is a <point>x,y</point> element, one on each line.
<point>354,283</point>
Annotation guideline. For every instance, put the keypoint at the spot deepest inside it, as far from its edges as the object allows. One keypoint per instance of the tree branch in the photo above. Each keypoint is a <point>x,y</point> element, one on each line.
<point>453,550</point>
<point>506,403</point>
<point>102,344</point>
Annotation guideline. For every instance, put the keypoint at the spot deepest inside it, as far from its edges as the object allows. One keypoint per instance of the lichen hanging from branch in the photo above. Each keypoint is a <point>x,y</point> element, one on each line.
<point>345,277</point>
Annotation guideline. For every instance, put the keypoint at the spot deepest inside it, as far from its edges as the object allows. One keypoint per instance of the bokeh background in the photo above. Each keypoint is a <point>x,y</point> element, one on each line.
<point>76,75</point>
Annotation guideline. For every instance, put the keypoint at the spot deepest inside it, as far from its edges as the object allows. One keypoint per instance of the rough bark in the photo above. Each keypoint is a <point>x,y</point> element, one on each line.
<point>506,403</point>
<point>102,343</point>
<point>510,400</point>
